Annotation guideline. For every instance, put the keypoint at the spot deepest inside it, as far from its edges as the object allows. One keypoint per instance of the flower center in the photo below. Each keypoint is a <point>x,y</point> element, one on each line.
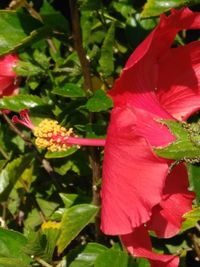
<point>49,134</point>
<point>52,136</point>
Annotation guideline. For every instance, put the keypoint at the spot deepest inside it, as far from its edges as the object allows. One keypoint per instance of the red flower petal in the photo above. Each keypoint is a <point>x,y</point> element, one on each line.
<point>179,83</point>
<point>138,81</point>
<point>167,217</point>
<point>4,83</point>
<point>138,244</point>
<point>133,177</point>
<point>7,63</point>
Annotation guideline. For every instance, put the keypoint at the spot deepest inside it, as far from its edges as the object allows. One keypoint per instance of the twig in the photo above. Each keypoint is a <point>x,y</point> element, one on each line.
<point>85,65</point>
<point>42,262</point>
<point>196,243</point>
<point>77,36</point>
<point>4,154</point>
<point>17,131</point>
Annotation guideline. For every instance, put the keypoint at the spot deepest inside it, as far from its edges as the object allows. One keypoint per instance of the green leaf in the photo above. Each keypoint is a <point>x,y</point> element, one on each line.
<point>44,243</point>
<point>10,262</point>
<point>191,219</point>
<point>194,174</point>
<point>47,207</point>
<point>61,154</point>
<point>41,59</point>
<point>69,90</point>
<point>11,244</point>
<point>52,235</point>
<point>143,262</point>
<point>99,102</point>
<point>85,256</point>
<point>68,199</point>
<point>16,30</point>
<point>26,68</point>
<point>37,246</point>
<point>155,7</point>
<point>33,220</point>
<point>73,221</point>
<point>11,173</point>
<point>182,147</point>
<point>106,60</point>
<point>19,102</point>
<point>115,258</point>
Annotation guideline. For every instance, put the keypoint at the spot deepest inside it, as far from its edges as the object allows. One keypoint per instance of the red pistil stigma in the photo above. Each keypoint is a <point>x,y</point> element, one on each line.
<point>24,119</point>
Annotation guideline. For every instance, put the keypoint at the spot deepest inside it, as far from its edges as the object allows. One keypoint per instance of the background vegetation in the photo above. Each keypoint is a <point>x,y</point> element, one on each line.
<point>70,54</point>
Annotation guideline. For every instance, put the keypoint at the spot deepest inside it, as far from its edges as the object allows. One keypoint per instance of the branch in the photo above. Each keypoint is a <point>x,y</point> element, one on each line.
<point>77,36</point>
<point>85,65</point>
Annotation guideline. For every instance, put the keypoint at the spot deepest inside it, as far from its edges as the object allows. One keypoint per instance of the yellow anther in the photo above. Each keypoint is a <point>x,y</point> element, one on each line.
<point>49,134</point>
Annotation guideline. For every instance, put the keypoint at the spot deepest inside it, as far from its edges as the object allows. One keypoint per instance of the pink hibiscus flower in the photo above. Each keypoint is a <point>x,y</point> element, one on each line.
<point>8,82</point>
<point>139,193</point>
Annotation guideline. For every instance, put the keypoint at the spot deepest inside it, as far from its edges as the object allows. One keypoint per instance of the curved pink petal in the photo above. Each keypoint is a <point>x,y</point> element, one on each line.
<point>138,81</point>
<point>161,38</point>
<point>147,125</point>
<point>138,244</point>
<point>133,177</point>
<point>7,63</point>
<point>167,217</point>
<point>179,83</point>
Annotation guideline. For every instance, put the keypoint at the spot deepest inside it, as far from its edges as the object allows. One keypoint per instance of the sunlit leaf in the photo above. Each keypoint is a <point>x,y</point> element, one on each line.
<point>73,221</point>
<point>19,102</point>
<point>11,173</point>
<point>12,262</point>
<point>85,256</point>
<point>61,154</point>
<point>191,219</point>
<point>115,258</point>
<point>182,147</point>
<point>106,60</point>
<point>69,90</point>
<point>16,30</point>
<point>156,7</point>
<point>11,244</point>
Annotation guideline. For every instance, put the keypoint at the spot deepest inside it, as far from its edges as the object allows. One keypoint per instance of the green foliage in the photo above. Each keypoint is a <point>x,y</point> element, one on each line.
<point>183,147</point>
<point>19,102</point>
<point>73,221</point>
<point>115,258</point>
<point>50,201</point>
<point>11,173</point>
<point>69,90</point>
<point>106,60</point>
<point>156,7</point>
<point>11,246</point>
<point>61,154</point>
<point>194,173</point>
<point>99,102</point>
<point>16,30</point>
<point>85,256</point>
<point>191,219</point>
